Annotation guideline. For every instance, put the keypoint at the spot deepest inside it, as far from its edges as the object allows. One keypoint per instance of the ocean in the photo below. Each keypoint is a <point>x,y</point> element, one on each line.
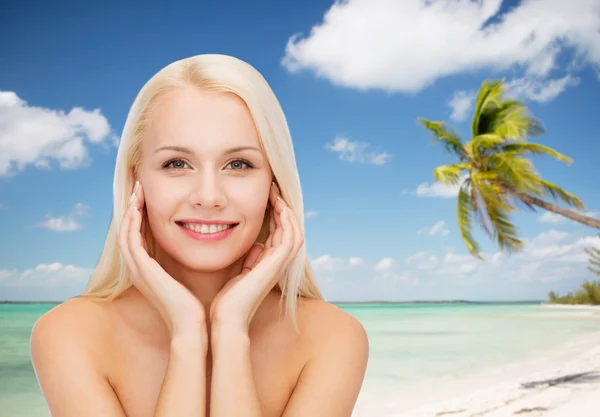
<point>417,351</point>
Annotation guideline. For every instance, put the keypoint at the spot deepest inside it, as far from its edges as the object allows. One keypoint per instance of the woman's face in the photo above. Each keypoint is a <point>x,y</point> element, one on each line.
<point>219,174</point>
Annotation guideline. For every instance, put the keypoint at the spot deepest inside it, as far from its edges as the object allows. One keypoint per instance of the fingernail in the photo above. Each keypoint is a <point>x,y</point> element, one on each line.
<point>137,184</point>
<point>282,202</point>
<point>131,199</point>
<point>285,212</point>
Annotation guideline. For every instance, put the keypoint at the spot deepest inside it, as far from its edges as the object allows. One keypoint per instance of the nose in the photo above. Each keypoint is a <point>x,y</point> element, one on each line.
<point>208,192</point>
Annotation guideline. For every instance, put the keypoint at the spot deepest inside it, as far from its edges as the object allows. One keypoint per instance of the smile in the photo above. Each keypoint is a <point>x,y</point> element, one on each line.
<point>207,228</point>
<point>207,231</point>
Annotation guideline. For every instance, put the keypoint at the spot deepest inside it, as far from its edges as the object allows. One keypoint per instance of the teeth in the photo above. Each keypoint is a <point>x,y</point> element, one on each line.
<point>206,228</point>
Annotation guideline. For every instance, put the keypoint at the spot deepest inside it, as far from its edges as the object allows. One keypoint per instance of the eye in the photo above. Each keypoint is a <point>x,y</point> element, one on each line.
<point>238,165</point>
<point>166,165</point>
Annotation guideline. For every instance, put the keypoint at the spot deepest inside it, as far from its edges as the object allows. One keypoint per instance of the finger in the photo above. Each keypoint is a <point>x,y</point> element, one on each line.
<point>137,253</point>
<point>253,256</point>
<point>272,227</point>
<point>272,224</point>
<point>124,243</point>
<point>276,241</point>
<point>277,203</point>
<point>140,202</point>
<point>298,238</point>
<point>141,197</point>
<point>143,229</point>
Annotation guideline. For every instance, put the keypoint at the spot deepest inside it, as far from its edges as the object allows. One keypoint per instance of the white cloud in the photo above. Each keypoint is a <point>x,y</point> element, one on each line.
<point>461,104</point>
<point>551,218</point>
<point>419,42</point>
<point>439,228</point>
<point>548,257</point>
<point>311,213</point>
<point>355,261</point>
<point>328,263</point>
<point>353,151</point>
<point>437,189</point>
<point>397,278</point>
<point>422,260</point>
<point>546,238</point>
<point>385,264</point>
<point>44,275</point>
<point>36,136</point>
<point>538,90</point>
<point>65,223</point>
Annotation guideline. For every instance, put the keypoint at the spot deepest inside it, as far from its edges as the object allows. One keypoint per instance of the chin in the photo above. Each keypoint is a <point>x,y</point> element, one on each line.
<point>208,263</point>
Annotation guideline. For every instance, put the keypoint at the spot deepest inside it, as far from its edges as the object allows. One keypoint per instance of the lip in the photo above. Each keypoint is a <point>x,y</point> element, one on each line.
<point>200,221</point>
<point>208,236</point>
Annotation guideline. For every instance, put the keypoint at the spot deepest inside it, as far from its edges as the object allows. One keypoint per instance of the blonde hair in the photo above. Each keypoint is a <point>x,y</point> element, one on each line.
<point>218,73</point>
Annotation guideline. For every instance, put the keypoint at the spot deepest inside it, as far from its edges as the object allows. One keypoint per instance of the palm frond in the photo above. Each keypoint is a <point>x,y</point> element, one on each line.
<point>511,119</point>
<point>505,233</point>
<point>594,259</point>
<point>464,222</point>
<point>484,144</point>
<point>450,174</point>
<point>559,194</point>
<point>536,149</point>
<point>515,171</point>
<point>442,133</point>
<point>489,94</point>
<point>477,210</point>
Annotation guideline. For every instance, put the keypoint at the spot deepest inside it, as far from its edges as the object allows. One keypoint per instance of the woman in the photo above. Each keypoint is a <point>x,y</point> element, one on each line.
<point>181,316</point>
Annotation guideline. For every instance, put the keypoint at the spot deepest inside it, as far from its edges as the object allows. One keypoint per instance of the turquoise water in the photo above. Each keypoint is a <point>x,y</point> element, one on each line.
<point>409,344</point>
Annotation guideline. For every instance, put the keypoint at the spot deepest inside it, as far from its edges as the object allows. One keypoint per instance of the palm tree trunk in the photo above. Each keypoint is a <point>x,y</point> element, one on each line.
<point>570,214</point>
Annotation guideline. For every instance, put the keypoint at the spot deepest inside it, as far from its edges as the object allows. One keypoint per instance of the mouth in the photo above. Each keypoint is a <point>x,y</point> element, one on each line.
<point>206,229</point>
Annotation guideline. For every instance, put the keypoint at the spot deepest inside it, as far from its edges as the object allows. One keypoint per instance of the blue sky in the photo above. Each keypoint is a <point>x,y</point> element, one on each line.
<point>352,78</point>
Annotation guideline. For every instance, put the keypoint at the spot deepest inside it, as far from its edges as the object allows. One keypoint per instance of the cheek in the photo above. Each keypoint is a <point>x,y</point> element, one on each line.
<point>252,203</point>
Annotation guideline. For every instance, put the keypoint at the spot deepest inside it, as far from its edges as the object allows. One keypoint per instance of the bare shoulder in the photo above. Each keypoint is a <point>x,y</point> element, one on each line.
<point>77,323</point>
<point>326,323</point>
<point>67,351</point>
<point>338,352</point>
<point>73,313</point>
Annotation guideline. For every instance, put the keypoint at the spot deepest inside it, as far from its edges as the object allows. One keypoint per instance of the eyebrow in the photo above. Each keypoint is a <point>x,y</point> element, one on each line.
<point>187,150</point>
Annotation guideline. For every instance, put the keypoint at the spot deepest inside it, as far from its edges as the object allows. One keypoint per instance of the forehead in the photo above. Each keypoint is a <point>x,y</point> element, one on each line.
<point>200,120</point>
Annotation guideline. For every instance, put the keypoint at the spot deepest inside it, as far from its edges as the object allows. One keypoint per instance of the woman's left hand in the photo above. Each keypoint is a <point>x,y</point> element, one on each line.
<point>237,302</point>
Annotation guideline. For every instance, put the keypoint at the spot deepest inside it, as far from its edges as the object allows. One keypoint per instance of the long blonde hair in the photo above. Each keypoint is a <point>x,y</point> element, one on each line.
<point>220,73</point>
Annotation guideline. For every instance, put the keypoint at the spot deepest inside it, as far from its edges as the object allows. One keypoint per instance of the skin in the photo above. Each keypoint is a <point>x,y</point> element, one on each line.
<point>219,298</point>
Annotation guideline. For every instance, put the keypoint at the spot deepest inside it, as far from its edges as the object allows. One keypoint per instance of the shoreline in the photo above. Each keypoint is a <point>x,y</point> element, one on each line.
<point>561,383</point>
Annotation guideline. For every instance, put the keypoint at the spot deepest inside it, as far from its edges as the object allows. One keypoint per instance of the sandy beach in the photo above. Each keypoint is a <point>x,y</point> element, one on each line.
<point>561,383</point>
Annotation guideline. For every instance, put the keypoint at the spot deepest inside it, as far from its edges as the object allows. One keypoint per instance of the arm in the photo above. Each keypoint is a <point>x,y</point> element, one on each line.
<point>183,392</point>
<point>232,376</point>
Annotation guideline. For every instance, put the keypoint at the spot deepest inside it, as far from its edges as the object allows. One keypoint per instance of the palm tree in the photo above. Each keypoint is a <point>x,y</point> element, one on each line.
<point>553,296</point>
<point>493,171</point>
<point>594,259</point>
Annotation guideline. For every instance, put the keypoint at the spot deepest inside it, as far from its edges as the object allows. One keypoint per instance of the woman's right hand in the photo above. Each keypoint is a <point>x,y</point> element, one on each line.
<point>180,309</point>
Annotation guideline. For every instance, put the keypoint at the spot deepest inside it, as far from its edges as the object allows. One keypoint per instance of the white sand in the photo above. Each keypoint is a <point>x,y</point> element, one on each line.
<point>561,383</point>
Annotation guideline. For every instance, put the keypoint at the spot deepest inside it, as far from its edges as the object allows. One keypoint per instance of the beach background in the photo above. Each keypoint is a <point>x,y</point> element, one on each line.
<point>432,355</point>
<point>450,335</point>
